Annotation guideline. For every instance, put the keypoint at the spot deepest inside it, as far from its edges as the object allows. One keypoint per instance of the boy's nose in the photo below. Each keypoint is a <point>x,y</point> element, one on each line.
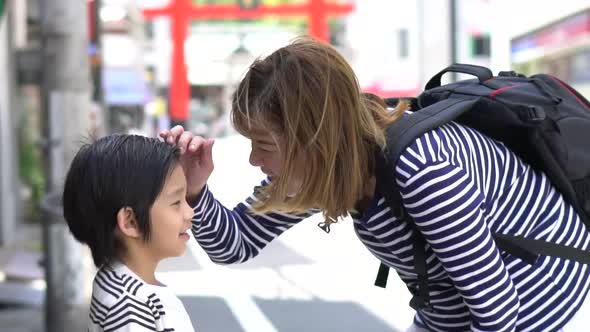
<point>189,213</point>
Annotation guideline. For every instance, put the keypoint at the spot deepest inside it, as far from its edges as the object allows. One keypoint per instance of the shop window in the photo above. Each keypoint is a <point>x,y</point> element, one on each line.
<point>480,45</point>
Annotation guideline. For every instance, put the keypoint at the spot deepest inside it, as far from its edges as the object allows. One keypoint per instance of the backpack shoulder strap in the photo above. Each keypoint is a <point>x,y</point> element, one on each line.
<point>386,185</point>
<point>399,136</point>
<point>402,133</point>
<point>411,126</point>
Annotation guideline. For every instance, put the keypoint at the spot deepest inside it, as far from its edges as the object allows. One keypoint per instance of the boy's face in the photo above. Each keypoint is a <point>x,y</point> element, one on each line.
<point>170,218</point>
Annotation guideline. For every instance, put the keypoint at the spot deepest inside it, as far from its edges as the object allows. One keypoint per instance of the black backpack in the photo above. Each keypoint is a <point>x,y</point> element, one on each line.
<point>542,119</point>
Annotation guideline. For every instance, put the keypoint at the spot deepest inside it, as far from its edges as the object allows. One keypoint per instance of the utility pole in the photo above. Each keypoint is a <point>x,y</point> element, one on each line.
<point>8,149</point>
<point>66,120</point>
<point>453,35</point>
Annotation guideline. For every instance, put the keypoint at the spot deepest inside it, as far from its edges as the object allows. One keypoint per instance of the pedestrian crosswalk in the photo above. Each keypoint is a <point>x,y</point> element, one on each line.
<point>271,296</point>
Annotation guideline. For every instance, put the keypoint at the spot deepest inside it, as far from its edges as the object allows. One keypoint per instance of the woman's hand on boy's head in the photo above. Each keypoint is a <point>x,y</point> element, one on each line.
<point>196,157</point>
<point>177,136</point>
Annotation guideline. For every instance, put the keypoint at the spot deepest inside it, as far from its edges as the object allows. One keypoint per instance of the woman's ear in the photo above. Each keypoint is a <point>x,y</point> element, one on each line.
<point>127,223</point>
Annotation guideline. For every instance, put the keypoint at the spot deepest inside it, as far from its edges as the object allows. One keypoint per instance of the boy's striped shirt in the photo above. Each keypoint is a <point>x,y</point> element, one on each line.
<point>121,301</point>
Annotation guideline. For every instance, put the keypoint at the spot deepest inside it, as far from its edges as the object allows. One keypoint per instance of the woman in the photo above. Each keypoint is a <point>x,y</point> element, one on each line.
<point>315,134</point>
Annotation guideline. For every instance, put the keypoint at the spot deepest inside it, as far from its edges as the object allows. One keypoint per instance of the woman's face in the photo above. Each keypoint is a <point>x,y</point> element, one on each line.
<point>268,153</point>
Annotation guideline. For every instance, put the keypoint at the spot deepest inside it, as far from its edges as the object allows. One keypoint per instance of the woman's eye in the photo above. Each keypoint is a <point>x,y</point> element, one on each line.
<point>176,203</point>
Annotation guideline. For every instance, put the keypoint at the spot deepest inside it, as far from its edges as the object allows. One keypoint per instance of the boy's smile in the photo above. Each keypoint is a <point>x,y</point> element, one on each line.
<point>171,217</point>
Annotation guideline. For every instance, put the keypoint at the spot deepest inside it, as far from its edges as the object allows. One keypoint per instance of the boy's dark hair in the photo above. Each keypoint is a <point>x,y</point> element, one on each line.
<point>113,172</point>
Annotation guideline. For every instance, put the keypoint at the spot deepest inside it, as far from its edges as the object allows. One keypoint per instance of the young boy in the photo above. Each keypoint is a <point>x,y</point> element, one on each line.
<point>125,197</point>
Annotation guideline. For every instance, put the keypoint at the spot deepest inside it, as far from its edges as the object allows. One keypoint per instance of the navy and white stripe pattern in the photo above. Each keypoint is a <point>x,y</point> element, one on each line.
<point>460,187</point>
<point>234,236</point>
<point>119,303</point>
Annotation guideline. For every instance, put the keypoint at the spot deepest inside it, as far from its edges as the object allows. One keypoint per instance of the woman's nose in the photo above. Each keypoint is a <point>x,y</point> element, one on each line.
<point>255,160</point>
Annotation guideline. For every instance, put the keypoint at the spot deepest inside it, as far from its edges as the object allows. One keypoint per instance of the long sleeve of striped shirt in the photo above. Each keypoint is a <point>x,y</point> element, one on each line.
<point>447,206</point>
<point>236,235</point>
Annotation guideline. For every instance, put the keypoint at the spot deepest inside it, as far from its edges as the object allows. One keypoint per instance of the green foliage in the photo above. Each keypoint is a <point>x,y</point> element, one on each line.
<point>31,168</point>
<point>30,164</point>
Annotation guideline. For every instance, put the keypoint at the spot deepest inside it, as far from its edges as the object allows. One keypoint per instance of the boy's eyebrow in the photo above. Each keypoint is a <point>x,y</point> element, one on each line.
<point>177,191</point>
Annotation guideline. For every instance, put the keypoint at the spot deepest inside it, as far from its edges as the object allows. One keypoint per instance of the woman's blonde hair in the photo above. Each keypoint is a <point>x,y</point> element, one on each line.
<point>308,94</point>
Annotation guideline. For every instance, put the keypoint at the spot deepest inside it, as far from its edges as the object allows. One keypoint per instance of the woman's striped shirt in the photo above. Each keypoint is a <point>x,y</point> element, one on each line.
<point>459,186</point>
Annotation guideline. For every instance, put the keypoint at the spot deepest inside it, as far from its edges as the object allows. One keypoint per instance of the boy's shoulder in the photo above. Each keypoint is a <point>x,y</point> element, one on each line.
<point>113,283</point>
<point>121,298</point>
<point>119,295</point>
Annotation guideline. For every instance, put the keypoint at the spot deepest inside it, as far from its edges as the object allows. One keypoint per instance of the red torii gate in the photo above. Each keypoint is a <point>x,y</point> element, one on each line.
<point>181,12</point>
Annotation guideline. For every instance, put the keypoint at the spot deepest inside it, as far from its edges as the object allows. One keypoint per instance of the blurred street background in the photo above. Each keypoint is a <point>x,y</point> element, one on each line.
<point>71,70</point>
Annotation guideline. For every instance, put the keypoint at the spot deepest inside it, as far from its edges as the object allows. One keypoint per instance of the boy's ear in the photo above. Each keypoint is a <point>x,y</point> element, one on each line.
<point>127,223</point>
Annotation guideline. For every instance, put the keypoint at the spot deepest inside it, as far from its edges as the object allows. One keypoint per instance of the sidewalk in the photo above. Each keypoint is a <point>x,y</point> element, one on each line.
<point>22,285</point>
<point>15,319</point>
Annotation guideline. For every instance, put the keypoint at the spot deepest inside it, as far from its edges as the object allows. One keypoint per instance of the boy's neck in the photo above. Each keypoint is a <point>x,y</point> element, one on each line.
<point>142,265</point>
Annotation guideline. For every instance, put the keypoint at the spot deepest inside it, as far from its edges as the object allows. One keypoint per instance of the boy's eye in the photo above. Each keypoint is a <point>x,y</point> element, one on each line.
<point>176,203</point>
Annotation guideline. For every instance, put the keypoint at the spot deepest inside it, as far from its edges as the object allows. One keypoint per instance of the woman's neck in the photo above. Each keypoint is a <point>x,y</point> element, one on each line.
<point>367,195</point>
<point>369,190</point>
